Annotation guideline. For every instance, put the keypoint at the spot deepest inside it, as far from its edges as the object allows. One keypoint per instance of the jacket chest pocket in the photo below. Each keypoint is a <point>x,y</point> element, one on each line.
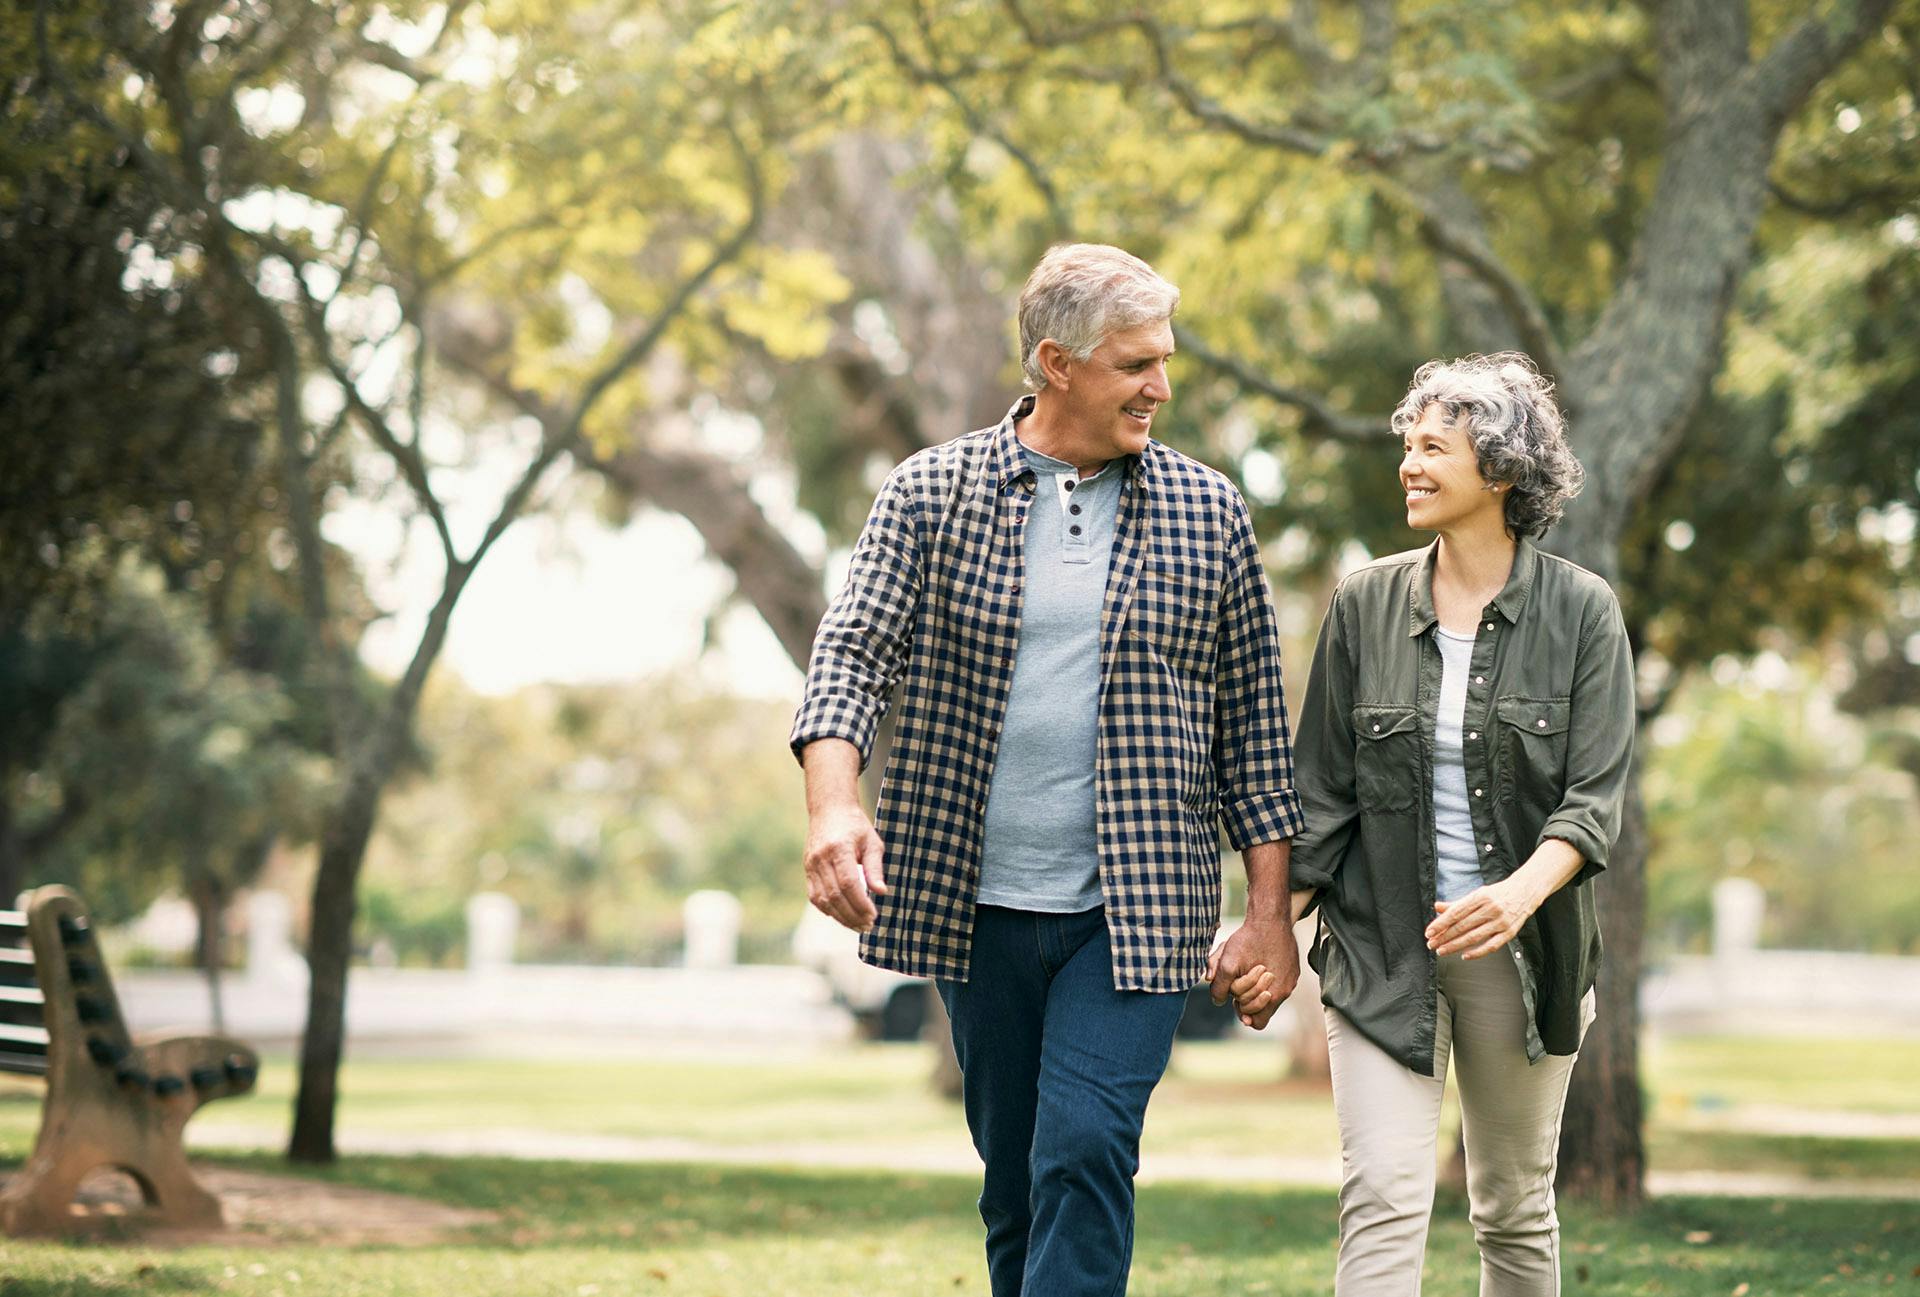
<point>1532,736</point>
<point>1386,758</point>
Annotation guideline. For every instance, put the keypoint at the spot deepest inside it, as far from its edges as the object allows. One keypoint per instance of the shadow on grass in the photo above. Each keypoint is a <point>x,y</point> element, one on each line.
<point>142,1279</point>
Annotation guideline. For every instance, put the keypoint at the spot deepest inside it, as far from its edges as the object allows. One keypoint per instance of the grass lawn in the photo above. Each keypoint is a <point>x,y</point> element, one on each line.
<point>1218,1100</point>
<point>603,1230</point>
<point>597,1230</point>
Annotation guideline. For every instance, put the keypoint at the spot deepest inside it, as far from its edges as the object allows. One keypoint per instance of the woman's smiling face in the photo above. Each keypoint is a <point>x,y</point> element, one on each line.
<point>1441,475</point>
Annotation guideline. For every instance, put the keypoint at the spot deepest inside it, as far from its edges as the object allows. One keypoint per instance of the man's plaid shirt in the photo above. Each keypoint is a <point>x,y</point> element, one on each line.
<point>1192,726</point>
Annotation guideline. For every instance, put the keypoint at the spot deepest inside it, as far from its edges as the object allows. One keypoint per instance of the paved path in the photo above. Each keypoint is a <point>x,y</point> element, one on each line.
<point>1322,1172</point>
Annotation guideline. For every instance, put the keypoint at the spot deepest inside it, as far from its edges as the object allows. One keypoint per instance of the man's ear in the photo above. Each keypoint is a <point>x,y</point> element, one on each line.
<point>1055,363</point>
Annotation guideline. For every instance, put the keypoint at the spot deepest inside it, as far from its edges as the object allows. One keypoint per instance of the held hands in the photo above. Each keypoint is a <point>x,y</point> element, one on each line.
<point>1258,966</point>
<point>1482,921</point>
<point>843,866</point>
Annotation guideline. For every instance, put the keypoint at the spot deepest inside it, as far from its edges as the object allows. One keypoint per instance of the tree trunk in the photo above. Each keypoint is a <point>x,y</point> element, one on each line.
<point>1307,1058</point>
<point>1602,1155</point>
<point>329,952</point>
<point>210,911</point>
<point>343,849</point>
<point>13,866</point>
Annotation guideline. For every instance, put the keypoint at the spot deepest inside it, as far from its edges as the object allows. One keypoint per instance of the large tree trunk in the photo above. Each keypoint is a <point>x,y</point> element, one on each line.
<point>1602,1155</point>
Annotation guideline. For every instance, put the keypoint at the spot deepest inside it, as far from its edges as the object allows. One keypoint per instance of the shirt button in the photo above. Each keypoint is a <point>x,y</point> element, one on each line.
<point>1069,484</point>
<point>1073,508</point>
<point>1074,530</point>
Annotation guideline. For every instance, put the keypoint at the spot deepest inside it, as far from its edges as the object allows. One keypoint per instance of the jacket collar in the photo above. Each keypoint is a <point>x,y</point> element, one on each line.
<point>1510,602</point>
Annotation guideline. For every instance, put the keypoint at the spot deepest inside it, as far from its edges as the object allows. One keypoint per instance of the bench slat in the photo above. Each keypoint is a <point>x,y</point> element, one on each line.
<point>21,995</point>
<point>23,1064</point>
<point>15,955</point>
<point>23,1036</point>
<point>13,920</point>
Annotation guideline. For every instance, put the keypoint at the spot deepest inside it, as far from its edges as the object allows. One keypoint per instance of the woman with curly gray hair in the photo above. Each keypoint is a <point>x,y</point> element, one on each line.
<point>1462,758</point>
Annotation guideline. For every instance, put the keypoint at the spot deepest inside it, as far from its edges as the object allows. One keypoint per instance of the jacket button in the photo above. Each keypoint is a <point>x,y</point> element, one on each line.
<point>1489,625</point>
<point>1474,735</point>
<point>1376,729</point>
<point>1542,724</point>
<point>1489,848</point>
<point>1477,792</point>
<point>1479,680</point>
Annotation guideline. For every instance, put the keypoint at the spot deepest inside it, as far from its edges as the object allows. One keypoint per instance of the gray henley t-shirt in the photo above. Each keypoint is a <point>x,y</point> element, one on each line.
<point>1040,851</point>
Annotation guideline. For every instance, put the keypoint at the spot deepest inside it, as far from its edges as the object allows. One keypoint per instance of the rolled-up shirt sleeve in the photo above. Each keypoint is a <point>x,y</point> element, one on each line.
<point>1252,745</point>
<point>1327,792</point>
<point>861,648</point>
<point>1600,735</point>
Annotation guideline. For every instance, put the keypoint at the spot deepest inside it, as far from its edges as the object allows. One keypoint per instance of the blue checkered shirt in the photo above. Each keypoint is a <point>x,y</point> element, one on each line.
<point>1192,727</point>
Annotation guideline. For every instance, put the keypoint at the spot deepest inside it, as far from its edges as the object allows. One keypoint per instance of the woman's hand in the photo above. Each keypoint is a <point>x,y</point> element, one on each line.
<point>1256,994</point>
<point>1486,918</point>
<point>1482,921</point>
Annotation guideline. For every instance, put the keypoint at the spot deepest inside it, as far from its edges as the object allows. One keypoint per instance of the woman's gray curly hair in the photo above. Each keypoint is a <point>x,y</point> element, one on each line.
<point>1082,292</point>
<point>1519,435</point>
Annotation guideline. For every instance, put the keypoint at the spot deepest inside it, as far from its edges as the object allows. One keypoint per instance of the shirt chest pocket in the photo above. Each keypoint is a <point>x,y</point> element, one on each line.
<point>1532,737</point>
<point>1386,758</point>
<point>1175,609</point>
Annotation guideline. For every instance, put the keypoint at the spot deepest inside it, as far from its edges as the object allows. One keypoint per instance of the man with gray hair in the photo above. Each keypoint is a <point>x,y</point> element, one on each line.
<point>1073,628</point>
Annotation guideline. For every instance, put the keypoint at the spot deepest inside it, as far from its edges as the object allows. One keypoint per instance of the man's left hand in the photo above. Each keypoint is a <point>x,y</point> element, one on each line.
<point>1268,944</point>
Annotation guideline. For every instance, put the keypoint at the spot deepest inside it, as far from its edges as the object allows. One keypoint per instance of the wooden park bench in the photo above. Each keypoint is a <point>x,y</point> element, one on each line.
<point>111,1101</point>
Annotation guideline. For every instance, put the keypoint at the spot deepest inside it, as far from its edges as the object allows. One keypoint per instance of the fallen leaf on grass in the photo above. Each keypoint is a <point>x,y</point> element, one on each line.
<point>1742,1290</point>
<point>1699,1236</point>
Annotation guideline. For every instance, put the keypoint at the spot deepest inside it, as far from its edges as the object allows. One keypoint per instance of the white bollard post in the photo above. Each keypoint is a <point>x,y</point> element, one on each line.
<point>270,951</point>
<point>713,929</point>
<point>493,928</point>
<point>1739,908</point>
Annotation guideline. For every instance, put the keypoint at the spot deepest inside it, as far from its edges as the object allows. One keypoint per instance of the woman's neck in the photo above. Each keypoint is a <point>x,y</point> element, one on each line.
<point>1473,565</point>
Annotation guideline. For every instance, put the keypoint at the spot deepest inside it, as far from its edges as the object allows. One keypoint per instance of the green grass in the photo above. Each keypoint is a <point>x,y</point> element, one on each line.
<point>613,1230</point>
<point>1218,1100</point>
<point>600,1230</point>
<point>1874,1076</point>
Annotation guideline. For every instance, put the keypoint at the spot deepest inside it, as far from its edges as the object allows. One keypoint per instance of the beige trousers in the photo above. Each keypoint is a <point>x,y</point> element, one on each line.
<point>1390,1121</point>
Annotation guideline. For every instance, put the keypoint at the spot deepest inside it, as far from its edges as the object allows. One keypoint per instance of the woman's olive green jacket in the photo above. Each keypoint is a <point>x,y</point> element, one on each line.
<point>1548,740</point>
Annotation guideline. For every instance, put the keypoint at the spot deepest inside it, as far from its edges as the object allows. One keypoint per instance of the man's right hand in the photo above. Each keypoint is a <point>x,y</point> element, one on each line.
<point>844,866</point>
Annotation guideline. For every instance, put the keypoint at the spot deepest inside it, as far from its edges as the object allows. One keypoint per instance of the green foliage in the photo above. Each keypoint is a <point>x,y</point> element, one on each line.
<point>1759,776</point>
<point>175,762</point>
<point>599,810</point>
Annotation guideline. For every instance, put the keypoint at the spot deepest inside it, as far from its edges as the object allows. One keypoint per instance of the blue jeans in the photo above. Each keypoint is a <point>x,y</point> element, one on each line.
<point>1056,1069</point>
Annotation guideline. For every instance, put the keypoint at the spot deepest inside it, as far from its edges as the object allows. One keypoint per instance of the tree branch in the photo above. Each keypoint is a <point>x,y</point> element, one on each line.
<point>567,437</point>
<point>1318,417</point>
<point>1470,250</point>
<point>1802,57</point>
<point>931,76</point>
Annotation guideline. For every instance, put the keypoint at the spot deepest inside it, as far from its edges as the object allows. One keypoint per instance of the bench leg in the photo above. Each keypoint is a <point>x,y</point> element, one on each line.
<point>39,1200</point>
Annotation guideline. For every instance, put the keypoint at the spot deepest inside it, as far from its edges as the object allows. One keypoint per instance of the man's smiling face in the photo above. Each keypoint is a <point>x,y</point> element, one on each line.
<point>1112,395</point>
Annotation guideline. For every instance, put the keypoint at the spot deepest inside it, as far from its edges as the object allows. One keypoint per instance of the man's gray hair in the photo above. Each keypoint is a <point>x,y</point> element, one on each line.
<point>1518,433</point>
<point>1082,292</point>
